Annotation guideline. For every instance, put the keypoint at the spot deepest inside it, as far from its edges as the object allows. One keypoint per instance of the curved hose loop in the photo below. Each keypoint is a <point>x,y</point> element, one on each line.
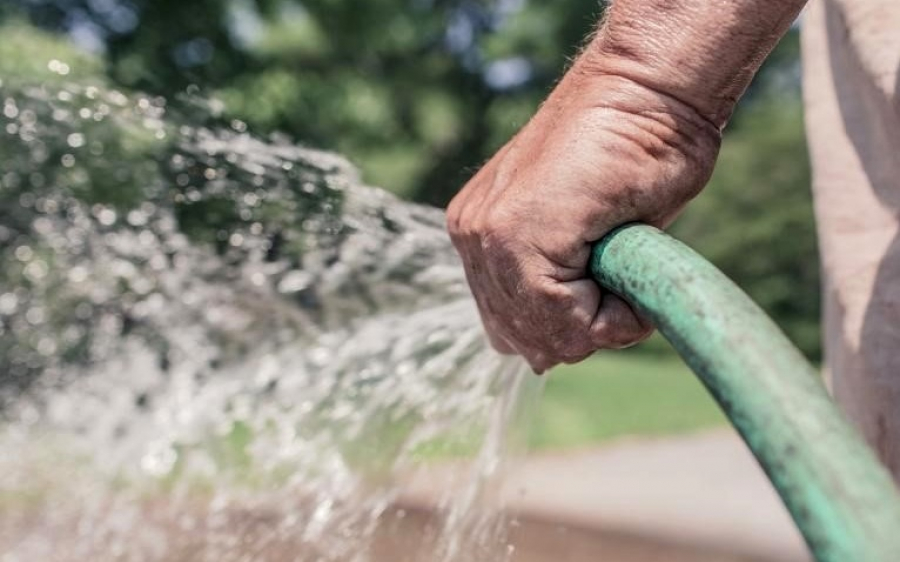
<point>841,498</point>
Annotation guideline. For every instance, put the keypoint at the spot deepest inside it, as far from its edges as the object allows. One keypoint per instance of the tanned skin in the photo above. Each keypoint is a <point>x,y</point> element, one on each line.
<point>630,133</point>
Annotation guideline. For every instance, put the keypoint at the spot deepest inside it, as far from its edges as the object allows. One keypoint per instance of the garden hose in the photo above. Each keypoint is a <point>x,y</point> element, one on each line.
<point>841,498</point>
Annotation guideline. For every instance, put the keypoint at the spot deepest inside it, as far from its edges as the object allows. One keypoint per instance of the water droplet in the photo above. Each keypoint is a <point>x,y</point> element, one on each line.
<point>78,274</point>
<point>159,460</point>
<point>28,117</point>
<point>46,346</point>
<point>136,218</point>
<point>295,281</point>
<point>84,311</point>
<point>9,303</point>
<point>36,270</point>
<point>9,109</point>
<point>35,315</point>
<point>75,140</point>
<point>24,253</point>
<point>107,217</point>
<point>58,67</point>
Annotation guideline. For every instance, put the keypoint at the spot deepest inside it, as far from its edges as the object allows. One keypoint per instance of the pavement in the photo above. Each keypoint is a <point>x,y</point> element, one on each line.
<point>703,490</point>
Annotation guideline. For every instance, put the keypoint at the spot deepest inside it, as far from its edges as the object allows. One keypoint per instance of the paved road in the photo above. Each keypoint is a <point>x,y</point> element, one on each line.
<point>703,490</point>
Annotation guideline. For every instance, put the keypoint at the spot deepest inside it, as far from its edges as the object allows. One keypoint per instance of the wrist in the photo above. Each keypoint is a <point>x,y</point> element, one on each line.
<point>700,53</point>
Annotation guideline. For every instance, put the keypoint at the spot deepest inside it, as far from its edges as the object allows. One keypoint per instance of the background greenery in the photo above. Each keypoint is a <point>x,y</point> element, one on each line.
<point>418,93</point>
<point>626,393</point>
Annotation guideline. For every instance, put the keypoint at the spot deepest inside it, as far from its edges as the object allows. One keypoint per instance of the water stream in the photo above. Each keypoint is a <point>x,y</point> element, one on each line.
<point>215,346</point>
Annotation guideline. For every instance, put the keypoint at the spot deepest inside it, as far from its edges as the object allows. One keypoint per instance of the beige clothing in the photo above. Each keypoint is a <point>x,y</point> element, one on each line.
<point>851,57</point>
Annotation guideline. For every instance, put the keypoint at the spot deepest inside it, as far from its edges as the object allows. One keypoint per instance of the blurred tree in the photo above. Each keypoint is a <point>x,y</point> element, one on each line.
<point>159,46</point>
<point>417,91</point>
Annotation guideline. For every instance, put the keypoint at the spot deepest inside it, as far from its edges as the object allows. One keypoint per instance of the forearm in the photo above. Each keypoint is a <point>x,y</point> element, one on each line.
<point>701,52</point>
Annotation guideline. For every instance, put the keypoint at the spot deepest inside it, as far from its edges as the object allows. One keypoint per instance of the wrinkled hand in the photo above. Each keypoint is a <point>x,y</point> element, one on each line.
<point>602,151</point>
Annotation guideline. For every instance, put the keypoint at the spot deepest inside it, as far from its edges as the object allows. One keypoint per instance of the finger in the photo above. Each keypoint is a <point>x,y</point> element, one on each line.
<point>479,282</point>
<point>488,321</point>
<point>617,325</point>
<point>560,325</point>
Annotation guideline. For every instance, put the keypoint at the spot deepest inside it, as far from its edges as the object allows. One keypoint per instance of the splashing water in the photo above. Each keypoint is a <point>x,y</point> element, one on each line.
<point>220,347</point>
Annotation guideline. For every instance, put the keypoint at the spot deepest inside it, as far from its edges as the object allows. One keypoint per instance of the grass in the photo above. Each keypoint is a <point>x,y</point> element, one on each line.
<point>621,393</point>
<point>643,392</point>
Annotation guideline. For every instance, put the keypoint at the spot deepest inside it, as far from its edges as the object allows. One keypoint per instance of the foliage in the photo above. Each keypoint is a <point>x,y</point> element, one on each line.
<point>29,56</point>
<point>613,395</point>
<point>418,92</point>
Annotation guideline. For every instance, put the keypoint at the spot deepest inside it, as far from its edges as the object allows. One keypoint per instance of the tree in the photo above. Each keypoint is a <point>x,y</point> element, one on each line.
<point>419,93</point>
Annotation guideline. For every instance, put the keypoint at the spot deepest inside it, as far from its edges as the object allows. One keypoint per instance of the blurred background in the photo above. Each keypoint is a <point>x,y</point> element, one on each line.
<point>418,93</point>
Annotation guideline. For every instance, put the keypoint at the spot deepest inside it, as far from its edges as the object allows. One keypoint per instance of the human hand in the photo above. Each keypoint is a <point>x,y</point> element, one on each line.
<point>602,151</point>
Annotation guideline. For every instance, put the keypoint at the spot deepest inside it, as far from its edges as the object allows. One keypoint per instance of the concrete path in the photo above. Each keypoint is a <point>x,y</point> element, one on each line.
<point>703,490</point>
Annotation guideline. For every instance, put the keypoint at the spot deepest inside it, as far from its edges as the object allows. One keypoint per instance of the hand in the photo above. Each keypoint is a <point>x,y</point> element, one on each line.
<point>602,151</point>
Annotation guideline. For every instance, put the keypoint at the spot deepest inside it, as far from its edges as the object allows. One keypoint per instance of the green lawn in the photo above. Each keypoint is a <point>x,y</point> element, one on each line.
<point>621,393</point>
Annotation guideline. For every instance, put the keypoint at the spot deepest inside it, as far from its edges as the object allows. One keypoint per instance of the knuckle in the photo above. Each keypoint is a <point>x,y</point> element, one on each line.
<point>454,216</point>
<point>573,359</point>
<point>604,336</point>
<point>494,236</point>
<point>574,353</point>
<point>638,337</point>
<point>623,342</point>
<point>540,362</point>
<point>561,344</point>
<point>620,339</point>
<point>646,331</point>
<point>571,341</point>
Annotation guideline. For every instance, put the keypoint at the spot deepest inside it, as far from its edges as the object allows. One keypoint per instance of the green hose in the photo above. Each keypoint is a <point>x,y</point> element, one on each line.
<point>841,498</point>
